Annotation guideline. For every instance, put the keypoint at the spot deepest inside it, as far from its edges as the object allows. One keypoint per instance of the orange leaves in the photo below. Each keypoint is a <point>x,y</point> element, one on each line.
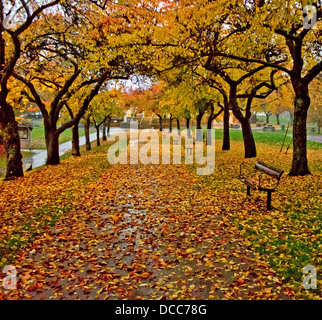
<point>145,275</point>
<point>153,235</point>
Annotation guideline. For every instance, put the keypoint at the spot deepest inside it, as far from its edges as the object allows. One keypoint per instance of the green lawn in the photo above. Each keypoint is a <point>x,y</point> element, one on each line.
<point>272,138</point>
<point>272,119</point>
<point>286,120</point>
<point>38,136</point>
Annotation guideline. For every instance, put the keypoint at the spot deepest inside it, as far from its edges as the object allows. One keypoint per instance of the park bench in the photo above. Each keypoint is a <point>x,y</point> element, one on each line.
<point>269,127</point>
<point>253,183</point>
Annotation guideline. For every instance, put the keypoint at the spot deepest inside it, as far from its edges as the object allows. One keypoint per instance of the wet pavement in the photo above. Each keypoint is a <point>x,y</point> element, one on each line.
<point>40,156</point>
<point>315,138</point>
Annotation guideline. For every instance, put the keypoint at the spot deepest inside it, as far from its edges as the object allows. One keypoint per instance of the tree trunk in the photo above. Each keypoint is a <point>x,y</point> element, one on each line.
<point>178,124</point>
<point>249,142</point>
<point>87,134</point>
<point>8,124</point>
<point>277,118</point>
<point>209,123</point>
<point>104,132</point>
<point>11,143</point>
<point>188,123</point>
<point>75,140</point>
<point>109,126</point>
<point>170,124</point>
<point>199,118</point>
<point>98,143</point>
<point>299,162</point>
<point>226,138</point>
<point>160,123</point>
<point>267,117</point>
<point>52,142</point>
<point>189,135</point>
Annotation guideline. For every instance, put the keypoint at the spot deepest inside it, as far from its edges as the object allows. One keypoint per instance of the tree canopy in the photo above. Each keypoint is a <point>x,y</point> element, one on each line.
<point>231,52</point>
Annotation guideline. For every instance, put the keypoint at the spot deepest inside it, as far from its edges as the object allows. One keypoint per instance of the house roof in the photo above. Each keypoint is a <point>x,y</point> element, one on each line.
<point>25,125</point>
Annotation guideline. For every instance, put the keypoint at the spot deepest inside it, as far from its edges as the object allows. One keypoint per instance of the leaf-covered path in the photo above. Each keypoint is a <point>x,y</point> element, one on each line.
<point>144,232</point>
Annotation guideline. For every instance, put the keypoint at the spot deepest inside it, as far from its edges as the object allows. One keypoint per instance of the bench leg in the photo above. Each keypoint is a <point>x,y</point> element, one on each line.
<point>248,191</point>
<point>269,200</point>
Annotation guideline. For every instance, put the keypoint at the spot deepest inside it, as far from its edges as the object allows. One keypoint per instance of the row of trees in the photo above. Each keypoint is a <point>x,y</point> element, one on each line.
<point>212,55</point>
<point>239,47</point>
<point>60,55</point>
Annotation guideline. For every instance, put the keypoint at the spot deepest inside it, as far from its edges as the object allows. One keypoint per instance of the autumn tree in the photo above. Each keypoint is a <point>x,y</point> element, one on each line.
<point>278,102</point>
<point>60,100</point>
<point>103,106</point>
<point>225,108</point>
<point>243,83</point>
<point>194,39</point>
<point>78,67</point>
<point>186,91</point>
<point>71,107</point>
<point>272,34</point>
<point>285,35</point>
<point>15,19</point>
<point>148,100</point>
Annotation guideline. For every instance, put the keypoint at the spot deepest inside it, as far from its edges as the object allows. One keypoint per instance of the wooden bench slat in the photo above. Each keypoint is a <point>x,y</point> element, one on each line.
<point>248,182</point>
<point>271,171</point>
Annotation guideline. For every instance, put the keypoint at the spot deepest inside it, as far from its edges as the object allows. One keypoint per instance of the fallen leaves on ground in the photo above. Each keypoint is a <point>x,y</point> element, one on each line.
<point>147,232</point>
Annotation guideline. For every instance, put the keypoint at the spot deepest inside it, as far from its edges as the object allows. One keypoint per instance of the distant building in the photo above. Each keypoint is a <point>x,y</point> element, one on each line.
<point>25,135</point>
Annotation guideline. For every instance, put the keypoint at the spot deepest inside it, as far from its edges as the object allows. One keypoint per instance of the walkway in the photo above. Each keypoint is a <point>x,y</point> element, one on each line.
<point>144,232</point>
<point>315,138</point>
<point>40,156</point>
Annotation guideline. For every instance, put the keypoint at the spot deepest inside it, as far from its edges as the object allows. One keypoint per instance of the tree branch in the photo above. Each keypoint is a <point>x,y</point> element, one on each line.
<point>36,97</point>
<point>265,63</point>
<point>85,105</point>
<point>312,73</point>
